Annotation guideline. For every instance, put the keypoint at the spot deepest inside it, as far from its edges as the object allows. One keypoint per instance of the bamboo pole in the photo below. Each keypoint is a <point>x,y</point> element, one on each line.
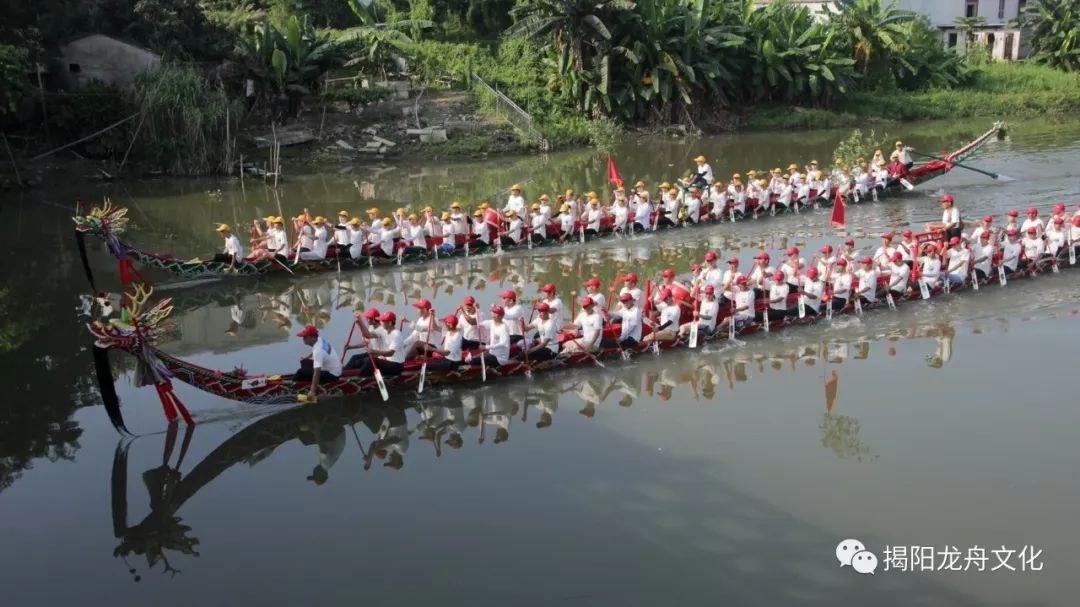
<point>18,179</point>
<point>87,138</point>
<point>120,170</point>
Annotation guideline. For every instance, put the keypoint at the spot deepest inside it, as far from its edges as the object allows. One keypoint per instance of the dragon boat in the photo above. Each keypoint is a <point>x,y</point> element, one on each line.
<point>137,329</point>
<point>110,222</point>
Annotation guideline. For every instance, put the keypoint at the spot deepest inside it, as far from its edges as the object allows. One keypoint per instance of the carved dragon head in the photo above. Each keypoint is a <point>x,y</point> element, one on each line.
<point>137,325</point>
<point>101,220</point>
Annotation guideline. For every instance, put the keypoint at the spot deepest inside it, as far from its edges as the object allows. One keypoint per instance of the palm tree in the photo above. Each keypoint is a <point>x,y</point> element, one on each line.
<point>578,28</point>
<point>872,29</point>
<point>383,41</point>
<point>968,25</point>
<point>1055,32</point>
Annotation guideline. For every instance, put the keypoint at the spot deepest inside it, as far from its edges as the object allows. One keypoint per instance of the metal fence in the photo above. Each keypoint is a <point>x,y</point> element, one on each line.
<point>505,107</point>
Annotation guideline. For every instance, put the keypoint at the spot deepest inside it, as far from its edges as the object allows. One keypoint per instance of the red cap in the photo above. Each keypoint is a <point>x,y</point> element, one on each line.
<point>933,248</point>
<point>508,294</point>
<point>1032,211</point>
<point>793,251</point>
<point>422,304</point>
<point>308,331</point>
<point>543,307</point>
<point>709,289</point>
<point>984,235</point>
<point>586,301</point>
<point>778,275</point>
<point>1011,232</point>
<point>388,316</point>
<point>954,240</point>
<point>450,320</point>
<point>741,280</point>
<point>710,256</point>
<point>695,267</point>
<point>668,273</point>
<point>850,241</point>
<point>1059,207</point>
<point>1032,230</point>
<point>826,249</point>
<point>469,300</point>
<point>988,218</point>
<point>666,293</point>
<point>734,261</point>
<point>812,273</point>
<point>896,257</point>
<point>842,261</point>
<point>1059,220</point>
<point>548,288</point>
<point>625,297</point>
<point>866,260</point>
<point>593,282</point>
<point>1076,220</point>
<point>1013,213</point>
<point>497,309</point>
<point>371,314</point>
<point>946,198</point>
<point>887,236</point>
<point>630,277</point>
<point>908,233</point>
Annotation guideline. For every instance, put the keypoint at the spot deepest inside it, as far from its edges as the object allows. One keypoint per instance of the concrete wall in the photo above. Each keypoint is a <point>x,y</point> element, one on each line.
<point>99,57</point>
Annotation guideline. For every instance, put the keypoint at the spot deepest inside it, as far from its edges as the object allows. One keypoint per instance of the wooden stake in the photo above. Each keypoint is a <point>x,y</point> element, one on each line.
<point>18,179</point>
<point>87,138</point>
<point>120,170</point>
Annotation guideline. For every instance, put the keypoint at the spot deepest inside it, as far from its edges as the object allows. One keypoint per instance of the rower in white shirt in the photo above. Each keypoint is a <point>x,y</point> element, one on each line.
<point>545,207</point>
<point>761,274</point>
<point>516,202</point>
<point>745,308</point>
<point>234,251</point>
<point>666,329</point>
<point>546,344</point>
<point>841,285</point>
<point>1033,221</point>
<point>1074,233</point>
<point>703,175</point>
<point>450,347</point>
<point>707,312</point>
<point>983,254</point>
<point>514,229</point>
<point>630,321</point>
<point>792,267</point>
<point>630,281</point>
<point>957,261</point>
<point>1034,248</point>
<point>907,247</point>
<point>621,214</point>
<point>549,295</point>
<point>984,226</point>
<point>718,199</point>
<point>537,225</point>
<point>386,345</point>
<point>592,289</point>
<point>481,229</point>
<point>643,214</point>
<point>930,266</point>
<point>1011,251</point>
<point>730,279</point>
<point>424,331</point>
<point>867,276</point>
<point>883,255</point>
<point>468,319</point>
<point>693,206</point>
<point>494,340</point>
<point>1056,236</point>
<point>778,295</point>
<point>381,241</point>
<point>566,223</point>
<point>811,290</point>
<point>825,261</point>
<point>590,328</point>
<point>899,273</point>
<point>321,366</point>
<point>341,231</point>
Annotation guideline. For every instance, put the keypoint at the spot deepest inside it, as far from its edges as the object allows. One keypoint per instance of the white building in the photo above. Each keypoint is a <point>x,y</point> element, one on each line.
<point>97,57</point>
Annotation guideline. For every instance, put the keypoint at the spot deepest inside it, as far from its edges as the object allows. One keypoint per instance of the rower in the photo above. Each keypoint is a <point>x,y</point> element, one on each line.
<point>233,252</point>
<point>592,289</point>
<point>849,252</point>
<point>729,279</point>
<point>621,213</point>
<point>1059,211</point>
<point>537,225</point>
<point>449,230</point>
<point>321,366</point>
<point>896,166</point>
<point>589,328</point>
<point>950,217</point>
<point>1010,251</point>
<point>516,202</point>
<point>1056,236</point>
<point>374,219</point>
<point>460,222</point>
<point>703,175</point>
<point>421,339</point>
<point>495,340</point>
<point>1033,221</point>
<point>639,187</point>
<point>322,239</point>
<point>566,223</point>
<point>670,312</point>
<point>414,237</point>
<point>708,309</point>
<point>546,345</point>
<point>630,282</point>
<point>1034,248</point>
<point>513,315</point>
<point>983,254</point>
<point>899,273</point>
<point>381,242</point>
<point>545,208</point>
<point>669,209</point>
<point>552,299</point>
<point>794,177</point>
<point>812,288</point>
<point>341,233</point>
<point>905,154</point>
<point>826,260</point>
<point>514,226</point>
<point>881,176</point>
<point>957,262</point>
<point>450,347</point>
<point>630,326</point>
<point>778,294</point>
<point>744,304</point>
<point>710,274</point>
<point>667,280</point>
<point>468,320</point>
<point>481,230</point>
<point>841,285</point>
<point>386,347</point>
<point>1011,222</point>
<point>1074,233</point>
<point>984,226</point>
<point>592,218</point>
<point>930,266</point>
<point>693,207</point>
<point>761,274</point>
<point>883,255</point>
<point>718,200</point>
<point>867,276</point>
<point>643,213</point>
<point>791,267</point>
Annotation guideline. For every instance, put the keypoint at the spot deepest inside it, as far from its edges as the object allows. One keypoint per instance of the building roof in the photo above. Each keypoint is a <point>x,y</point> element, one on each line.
<point>82,36</point>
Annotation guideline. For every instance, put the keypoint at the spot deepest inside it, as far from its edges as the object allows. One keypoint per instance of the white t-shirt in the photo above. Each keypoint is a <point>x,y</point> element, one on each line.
<point>631,323</point>
<point>867,283</point>
<point>707,312</point>
<point>356,243</point>
<point>234,248</point>
<point>705,170</point>
<point>635,292</point>
<point>883,255</point>
<point>592,216</point>
<point>515,228</point>
<point>451,342</point>
<point>417,238</point>
<point>931,269</point>
<point>842,285</point>
<point>279,242</point>
<point>693,208</point>
<point>906,250</point>
<point>899,275</point>
<point>515,203</point>
<point>1034,248</point>
<point>386,240</point>
<point>744,298</point>
<point>324,357</point>
<point>497,340</point>
<point>979,251</point>
<point>779,290</point>
<point>468,329</point>
<point>393,340</point>
<point>815,288</point>
<point>1010,254</point>
<point>959,259</point>
<point>1032,223</point>
<point>566,223</point>
<point>547,330</point>
<point>1055,239</point>
<point>669,315</point>
<point>591,328</point>
<point>512,316</point>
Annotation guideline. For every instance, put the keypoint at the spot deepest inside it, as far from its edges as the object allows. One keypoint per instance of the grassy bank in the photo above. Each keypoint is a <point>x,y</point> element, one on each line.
<point>999,89</point>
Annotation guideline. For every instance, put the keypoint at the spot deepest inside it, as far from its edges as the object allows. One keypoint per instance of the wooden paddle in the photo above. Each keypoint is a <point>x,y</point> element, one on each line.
<point>423,367</point>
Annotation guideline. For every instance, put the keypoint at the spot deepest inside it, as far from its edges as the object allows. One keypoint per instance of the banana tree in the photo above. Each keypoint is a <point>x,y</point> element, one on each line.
<point>1055,32</point>
<point>381,44</point>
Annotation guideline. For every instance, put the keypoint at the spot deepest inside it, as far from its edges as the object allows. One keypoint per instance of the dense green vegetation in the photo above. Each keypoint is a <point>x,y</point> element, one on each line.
<point>583,69</point>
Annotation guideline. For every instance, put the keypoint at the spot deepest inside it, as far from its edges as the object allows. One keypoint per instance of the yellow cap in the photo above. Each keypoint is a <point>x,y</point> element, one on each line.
<point>594,201</point>
<point>400,211</point>
<point>839,160</point>
<point>445,216</point>
<point>736,176</point>
<point>699,159</point>
<point>778,170</point>
<point>387,222</point>
<point>511,213</point>
<point>484,205</point>
<point>762,183</point>
<point>639,184</point>
<point>751,173</point>
<point>536,206</point>
<point>478,213</point>
<point>343,213</point>
<point>894,155</point>
<point>817,174</point>
<point>269,219</point>
<point>222,227</point>
<point>455,205</point>
<point>673,191</point>
<point>428,209</point>
<point>899,143</point>
<point>300,218</point>
<point>665,185</point>
<point>564,208</point>
<point>877,151</point>
<point>412,216</point>
<point>786,176</point>
<point>569,191</point>
<point>373,211</point>
<point>516,186</point>
<point>881,162</point>
<point>355,221</point>
<point>792,166</point>
<point>544,197</point>
<point>279,219</point>
<point>319,220</point>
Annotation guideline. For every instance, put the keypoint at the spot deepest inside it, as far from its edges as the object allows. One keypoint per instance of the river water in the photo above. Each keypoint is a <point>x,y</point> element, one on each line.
<point>728,474</point>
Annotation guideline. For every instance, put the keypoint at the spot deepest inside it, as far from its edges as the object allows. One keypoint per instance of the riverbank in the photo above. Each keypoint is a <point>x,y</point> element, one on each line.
<point>997,90</point>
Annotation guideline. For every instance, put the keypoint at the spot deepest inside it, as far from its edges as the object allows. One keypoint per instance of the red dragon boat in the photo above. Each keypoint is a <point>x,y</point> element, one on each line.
<point>109,222</point>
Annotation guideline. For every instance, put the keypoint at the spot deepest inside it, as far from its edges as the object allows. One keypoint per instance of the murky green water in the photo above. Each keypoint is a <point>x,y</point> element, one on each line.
<point>726,475</point>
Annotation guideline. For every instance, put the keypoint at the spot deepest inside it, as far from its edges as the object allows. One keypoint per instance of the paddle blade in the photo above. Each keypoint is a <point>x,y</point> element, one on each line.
<point>423,376</point>
<point>1004,178</point>
<point>693,334</point>
<point>382,385</point>
<point>907,184</point>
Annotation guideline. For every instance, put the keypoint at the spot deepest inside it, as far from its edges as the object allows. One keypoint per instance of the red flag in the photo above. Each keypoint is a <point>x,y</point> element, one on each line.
<point>837,219</point>
<point>612,173</point>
